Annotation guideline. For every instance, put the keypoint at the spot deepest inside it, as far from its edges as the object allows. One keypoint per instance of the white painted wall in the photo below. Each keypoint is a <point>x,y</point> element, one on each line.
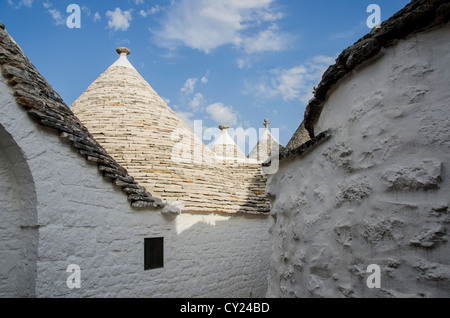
<point>378,191</point>
<point>18,219</point>
<point>83,219</point>
<point>11,233</point>
<point>9,229</point>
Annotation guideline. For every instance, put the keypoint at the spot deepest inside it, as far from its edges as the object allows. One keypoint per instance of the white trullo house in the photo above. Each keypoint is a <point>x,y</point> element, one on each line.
<point>360,203</point>
<point>125,191</point>
<point>120,187</point>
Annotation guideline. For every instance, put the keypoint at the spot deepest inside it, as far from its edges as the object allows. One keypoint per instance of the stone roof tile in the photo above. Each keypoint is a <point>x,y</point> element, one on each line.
<point>44,105</point>
<point>225,148</point>
<point>144,135</point>
<point>265,146</point>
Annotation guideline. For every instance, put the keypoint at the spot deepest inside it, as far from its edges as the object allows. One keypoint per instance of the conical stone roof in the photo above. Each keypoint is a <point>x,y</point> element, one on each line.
<point>266,145</point>
<point>126,113</point>
<point>140,131</point>
<point>225,148</point>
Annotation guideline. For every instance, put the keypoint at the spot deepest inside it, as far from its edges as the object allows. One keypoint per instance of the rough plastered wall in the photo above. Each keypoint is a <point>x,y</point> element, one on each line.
<point>83,219</point>
<point>376,192</point>
<point>18,232</point>
<point>9,229</point>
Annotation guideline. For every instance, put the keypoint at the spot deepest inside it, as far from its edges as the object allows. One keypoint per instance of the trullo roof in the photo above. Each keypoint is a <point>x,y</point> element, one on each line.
<point>225,148</point>
<point>46,107</point>
<point>142,133</point>
<point>266,145</point>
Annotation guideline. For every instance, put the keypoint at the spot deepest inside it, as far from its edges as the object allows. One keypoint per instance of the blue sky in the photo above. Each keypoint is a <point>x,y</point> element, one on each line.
<point>232,62</point>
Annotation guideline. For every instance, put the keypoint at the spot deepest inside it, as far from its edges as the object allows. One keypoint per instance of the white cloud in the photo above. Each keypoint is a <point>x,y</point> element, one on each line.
<point>86,10</point>
<point>119,20</point>
<point>224,115</point>
<point>291,83</point>
<point>206,25</point>
<point>204,78</point>
<point>197,102</point>
<point>24,3</point>
<point>123,42</point>
<point>56,15</point>
<point>243,63</point>
<point>189,86</point>
<point>295,83</point>
<point>266,40</point>
<point>97,17</point>
<point>152,10</point>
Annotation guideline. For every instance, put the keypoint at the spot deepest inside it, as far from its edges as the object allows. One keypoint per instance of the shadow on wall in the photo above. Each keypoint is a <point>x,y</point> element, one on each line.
<point>18,222</point>
<point>205,255</point>
<point>218,256</point>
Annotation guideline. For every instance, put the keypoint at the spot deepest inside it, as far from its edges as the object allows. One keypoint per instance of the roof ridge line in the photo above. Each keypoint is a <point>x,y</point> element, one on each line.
<point>417,16</point>
<point>45,106</point>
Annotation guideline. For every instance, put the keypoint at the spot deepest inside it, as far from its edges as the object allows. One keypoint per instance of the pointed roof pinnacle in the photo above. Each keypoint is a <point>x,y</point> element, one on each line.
<point>225,147</point>
<point>123,50</point>
<point>123,60</point>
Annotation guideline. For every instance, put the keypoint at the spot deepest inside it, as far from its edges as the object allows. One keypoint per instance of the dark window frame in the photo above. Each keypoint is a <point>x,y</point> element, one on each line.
<point>153,253</point>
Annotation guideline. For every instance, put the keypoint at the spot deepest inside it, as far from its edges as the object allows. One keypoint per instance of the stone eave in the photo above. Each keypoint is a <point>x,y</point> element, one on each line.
<point>302,150</point>
<point>46,107</point>
<point>307,146</point>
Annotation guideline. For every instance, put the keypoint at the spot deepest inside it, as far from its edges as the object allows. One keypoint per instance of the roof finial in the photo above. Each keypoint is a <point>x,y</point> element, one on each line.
<point>123,50</point>
<point>223,127</point>
<point>266,123</point>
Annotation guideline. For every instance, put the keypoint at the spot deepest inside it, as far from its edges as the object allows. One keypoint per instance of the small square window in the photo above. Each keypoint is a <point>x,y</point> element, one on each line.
<point>153,253</point>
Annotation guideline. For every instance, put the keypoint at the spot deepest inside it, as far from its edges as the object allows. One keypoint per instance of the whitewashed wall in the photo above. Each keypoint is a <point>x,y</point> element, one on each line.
<point>9,229</point>
<point>378,191</point>
<point>83,219</point>
<point>18,232</point>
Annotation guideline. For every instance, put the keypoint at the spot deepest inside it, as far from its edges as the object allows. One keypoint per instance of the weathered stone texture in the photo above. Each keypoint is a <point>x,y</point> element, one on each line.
<point>57,209</point>
<point>267,146</point>
<point>132,122</point>
<point>422,175</point>
<point>376,191</point>
<point>70,214</point>
<point>415,17</point>
<point>18,231</point>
